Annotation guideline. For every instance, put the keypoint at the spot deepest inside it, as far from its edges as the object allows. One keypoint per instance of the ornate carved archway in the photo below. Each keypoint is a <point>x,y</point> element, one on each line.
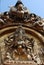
<point>21,37</point>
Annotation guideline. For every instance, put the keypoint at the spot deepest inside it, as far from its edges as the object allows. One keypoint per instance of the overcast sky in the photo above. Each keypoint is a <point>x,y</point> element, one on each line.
<point>34,6</point>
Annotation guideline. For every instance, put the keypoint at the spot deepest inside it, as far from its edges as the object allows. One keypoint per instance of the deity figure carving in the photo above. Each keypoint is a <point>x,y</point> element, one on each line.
<point>19,47</point>
<point>22,43</point>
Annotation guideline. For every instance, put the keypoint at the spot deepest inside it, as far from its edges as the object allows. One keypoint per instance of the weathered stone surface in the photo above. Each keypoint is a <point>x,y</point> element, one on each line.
<point>21,37</point>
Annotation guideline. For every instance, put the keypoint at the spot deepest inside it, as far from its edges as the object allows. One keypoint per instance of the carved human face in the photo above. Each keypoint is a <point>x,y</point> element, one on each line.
<point>20,7</point>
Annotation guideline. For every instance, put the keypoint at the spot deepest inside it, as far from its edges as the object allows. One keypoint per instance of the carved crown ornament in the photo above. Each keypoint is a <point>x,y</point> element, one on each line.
<point>21,37</point>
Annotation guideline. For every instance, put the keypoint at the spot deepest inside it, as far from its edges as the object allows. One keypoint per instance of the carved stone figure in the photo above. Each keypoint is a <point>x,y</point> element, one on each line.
<point>21,37</point>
